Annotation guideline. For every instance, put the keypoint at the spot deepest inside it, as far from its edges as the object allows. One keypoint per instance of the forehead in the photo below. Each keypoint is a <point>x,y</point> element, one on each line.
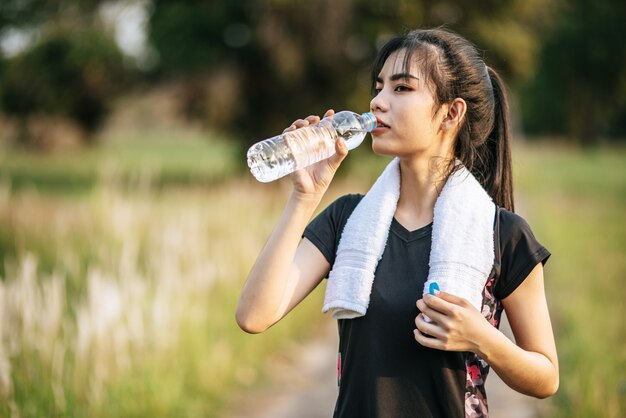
<point>397,63</point>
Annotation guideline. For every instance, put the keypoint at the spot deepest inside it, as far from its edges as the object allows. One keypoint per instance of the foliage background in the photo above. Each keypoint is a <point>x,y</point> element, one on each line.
<point>247,68</point>
<point>123,126</point>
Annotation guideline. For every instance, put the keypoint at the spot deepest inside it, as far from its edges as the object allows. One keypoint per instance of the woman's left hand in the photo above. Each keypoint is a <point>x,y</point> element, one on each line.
<point>455,324</point>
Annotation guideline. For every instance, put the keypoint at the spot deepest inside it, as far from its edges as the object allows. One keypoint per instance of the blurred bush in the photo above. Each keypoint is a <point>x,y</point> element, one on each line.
<point>248,68</point>
<point>70,75</point>
<point>253,67</point>
<point>579,86</point>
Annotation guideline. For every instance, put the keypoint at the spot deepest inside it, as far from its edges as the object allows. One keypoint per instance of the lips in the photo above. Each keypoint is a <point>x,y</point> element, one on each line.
<point>381,127</point>
<point>381,124</point>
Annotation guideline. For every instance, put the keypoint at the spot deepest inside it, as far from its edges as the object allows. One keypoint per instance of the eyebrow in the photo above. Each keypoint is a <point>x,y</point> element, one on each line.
<point>398,76</point>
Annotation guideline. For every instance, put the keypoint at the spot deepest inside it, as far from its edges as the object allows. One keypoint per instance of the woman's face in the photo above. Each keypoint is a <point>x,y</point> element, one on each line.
<point>405,106</point>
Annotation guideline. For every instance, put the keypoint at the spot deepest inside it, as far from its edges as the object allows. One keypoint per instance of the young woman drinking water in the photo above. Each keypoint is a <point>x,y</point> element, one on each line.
<point>405,351</point>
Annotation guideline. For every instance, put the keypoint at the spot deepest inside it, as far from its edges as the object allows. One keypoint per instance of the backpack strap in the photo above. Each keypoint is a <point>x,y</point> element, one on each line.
<point>495,272</point>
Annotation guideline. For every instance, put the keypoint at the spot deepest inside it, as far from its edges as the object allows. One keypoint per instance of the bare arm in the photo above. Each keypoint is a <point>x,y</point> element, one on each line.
<point>529,365</point>
<point>288,269</point>
<point>537,373</point>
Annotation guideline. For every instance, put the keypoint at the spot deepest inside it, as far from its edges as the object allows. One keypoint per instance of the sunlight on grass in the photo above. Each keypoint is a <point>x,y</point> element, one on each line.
<point>123,304</point>
<point>174,159</point>
<point>576,203</point>
<point>119,300</point>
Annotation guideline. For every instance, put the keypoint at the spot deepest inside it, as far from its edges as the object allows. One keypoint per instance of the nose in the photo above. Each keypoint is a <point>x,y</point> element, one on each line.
<point>378,102</point>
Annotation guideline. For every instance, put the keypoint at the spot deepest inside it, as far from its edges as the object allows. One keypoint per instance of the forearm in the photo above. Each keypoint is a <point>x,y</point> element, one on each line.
<point>268,285</point>
<point>528,372</point>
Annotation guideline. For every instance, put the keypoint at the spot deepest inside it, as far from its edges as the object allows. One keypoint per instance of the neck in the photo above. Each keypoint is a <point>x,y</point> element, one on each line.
<point>421,183</point>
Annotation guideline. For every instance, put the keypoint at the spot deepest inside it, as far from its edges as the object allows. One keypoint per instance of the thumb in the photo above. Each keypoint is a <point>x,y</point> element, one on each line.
<point>341,151</point>
<point>341,148</point>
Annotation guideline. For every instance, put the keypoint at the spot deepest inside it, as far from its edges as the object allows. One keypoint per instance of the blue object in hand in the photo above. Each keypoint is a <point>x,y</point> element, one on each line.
<point>433,287</point>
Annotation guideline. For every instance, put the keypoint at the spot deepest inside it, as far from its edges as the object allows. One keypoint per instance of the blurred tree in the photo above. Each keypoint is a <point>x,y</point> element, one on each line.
<point>579,87</point>
<point>254,66</point>
<point>69,71</point>
<point>195,42</point>
<point>26,13</point>
<point>66,74</point>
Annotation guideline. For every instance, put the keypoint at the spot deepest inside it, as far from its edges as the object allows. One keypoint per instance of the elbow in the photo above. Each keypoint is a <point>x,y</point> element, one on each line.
<point>548,389</point>
<point>250,327</point>
<point>246,322</point>
<point>553,389</point>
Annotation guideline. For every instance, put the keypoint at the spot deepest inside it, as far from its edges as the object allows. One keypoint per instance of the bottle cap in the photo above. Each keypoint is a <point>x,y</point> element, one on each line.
<point>369,121</point>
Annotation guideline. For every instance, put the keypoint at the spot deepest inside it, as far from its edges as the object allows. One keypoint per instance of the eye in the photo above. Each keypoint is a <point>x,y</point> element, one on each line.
<point>377,90</point>
<point>402,88</point>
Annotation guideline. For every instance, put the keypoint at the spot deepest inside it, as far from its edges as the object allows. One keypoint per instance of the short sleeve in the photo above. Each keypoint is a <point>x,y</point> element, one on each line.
<point>520,252</point>
<point>325,229</point>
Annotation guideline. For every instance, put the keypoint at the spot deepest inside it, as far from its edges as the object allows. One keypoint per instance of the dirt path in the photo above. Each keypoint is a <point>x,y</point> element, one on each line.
<point>305,384</point>
<point>307,388</point>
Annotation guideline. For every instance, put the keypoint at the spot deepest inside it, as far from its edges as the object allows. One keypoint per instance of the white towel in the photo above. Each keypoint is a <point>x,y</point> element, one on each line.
<point>462,251</point>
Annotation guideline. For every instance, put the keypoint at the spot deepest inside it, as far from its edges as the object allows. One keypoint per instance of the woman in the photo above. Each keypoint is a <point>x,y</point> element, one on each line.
<point>436,103</point>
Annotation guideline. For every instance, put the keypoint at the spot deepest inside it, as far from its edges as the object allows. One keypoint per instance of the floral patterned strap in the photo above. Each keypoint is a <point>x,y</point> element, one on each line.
<point>476,405</point>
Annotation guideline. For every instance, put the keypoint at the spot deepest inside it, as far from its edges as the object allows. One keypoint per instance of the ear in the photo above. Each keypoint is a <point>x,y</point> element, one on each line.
<point>455,114</point>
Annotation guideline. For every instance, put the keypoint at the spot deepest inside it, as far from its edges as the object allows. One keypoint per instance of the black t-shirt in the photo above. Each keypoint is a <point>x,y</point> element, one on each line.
<point>383,371</point>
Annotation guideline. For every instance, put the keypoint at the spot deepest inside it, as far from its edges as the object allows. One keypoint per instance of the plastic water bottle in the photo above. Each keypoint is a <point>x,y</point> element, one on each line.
<point>283,154</point>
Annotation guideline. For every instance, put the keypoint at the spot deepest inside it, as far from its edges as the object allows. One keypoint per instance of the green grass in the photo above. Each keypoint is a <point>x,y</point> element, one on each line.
<point>575,201</point>
<point>161,159</point>
<point>177,257</point>
<point>121,304</point>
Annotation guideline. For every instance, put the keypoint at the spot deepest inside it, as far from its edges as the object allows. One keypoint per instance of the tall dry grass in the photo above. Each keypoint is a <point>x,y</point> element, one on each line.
<point>122,303</point>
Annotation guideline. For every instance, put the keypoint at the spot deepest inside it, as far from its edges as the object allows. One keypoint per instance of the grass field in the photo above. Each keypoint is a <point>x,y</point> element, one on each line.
<point>576,203</point>
<point>129,159</point>
<point>118,291</point>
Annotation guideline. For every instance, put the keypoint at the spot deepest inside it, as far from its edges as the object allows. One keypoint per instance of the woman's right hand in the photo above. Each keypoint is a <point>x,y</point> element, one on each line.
<point>313,181</point>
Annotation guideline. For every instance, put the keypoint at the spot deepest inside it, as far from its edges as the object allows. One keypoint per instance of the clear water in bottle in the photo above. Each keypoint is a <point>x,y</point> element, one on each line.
<point>283,154</point>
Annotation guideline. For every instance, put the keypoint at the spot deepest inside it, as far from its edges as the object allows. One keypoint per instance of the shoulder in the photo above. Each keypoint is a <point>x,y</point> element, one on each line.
<point>347,203</point>
<point>325,229</point>
<point>512,225</point>
<point>340,209</point>
<point>519,251</point>
<point>351,199</point>
<point>514,232</point>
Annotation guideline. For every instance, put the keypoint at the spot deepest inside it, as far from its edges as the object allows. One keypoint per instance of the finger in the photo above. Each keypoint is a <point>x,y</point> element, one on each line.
<point>300,123</point>
<point>329,112</point>
<point>290,128</point>
<point>312,119</point>
<point>456,300</point>
<point>427,341</point>
<point>438,304</point>
<point>297,124</point>
<point>431,329</point>
<point>433,314</point>
<point>341,148</point>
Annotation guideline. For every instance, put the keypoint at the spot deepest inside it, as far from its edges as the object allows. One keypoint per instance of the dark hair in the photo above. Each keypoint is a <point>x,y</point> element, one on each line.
<point>454,69</point>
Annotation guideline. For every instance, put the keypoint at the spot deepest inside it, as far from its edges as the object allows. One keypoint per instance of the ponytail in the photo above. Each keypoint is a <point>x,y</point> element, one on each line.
<point>498,171</point>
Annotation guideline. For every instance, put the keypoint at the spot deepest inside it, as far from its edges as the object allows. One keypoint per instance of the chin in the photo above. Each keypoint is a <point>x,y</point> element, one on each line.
<point>382,150</point>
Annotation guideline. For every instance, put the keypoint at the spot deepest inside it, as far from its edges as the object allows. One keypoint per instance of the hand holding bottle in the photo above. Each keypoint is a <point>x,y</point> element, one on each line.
<point>315,179</point>
<point>307,142</point>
